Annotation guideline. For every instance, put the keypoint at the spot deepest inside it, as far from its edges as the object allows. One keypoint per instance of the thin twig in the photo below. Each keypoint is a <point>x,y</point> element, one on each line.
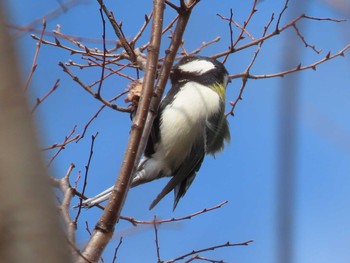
<point>117,249</point>
<point>35,65</point>
<point>274,33</point>
<point>240,36</point>
<point>193,252</point>
<point>118,32</point>
<point>98,112</point>
<point>174,219</point>
<point>230,27</point>
<point>166,29</point>
<point>104,52</point>
<point>313,47</point>
<point>40,100</point>
<point>280,15</point>
<point>244,80</point>
<point>204,45</point>
<point>195,257</point>
<point>62,146</point>
<point>313,66</point>
<point>156,239</point>
<point>71,38</point>
<point>87,228</point>
<point>94,94</point>
<point>93,137</point>
<point>142,29</point>
<point>85,50</point>
<point>237,25</point>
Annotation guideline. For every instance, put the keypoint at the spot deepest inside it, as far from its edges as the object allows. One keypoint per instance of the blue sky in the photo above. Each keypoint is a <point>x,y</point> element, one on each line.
<point>245,173</point>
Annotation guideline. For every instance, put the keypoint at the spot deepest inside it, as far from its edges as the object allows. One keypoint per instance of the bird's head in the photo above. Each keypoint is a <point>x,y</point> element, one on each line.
<point>204,70</point>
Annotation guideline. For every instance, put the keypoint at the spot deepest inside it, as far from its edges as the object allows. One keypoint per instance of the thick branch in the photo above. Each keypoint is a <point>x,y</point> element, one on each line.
<point>104,229</point>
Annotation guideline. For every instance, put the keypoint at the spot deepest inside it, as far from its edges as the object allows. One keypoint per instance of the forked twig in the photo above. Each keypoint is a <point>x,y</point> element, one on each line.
<point>244,79</point>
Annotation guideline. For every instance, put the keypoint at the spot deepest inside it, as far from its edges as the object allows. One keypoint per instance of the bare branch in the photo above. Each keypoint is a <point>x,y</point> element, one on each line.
<point>117,249</point>
<point>84,49</point>
<point>104,228</point>
<point>144,26</point>
<point>193,252</point>
<point>61,146</point>
<point>274,33</point>
<point>174,219</point>
<point>104,53</point>
<point>118,32</point>
<point>34,65</point>
<point>98,112</point>
<point>304,41</point>
<point>240,36</point>
<point>94,94</point>
<point>313,66</point>
<point>156,239</point>
<point>195,257</point>
<point>40,100</point>
<point>246,72</point>
<point>68,194</point>
<point>93,137</point>
<point>281,14</point>
<point>204,45</point>
<point>236,24</point>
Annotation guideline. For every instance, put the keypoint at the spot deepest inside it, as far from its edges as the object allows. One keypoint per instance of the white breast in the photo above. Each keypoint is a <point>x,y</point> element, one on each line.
<point>183,121</point>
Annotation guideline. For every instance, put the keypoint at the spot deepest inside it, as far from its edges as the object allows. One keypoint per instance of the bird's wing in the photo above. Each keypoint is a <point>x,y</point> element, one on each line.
<point>184,176</point>
<point>217,131</point>
<point>154,136</point>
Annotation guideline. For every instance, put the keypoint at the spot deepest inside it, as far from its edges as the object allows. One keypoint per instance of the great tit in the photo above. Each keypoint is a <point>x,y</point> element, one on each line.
<point>190,123</point>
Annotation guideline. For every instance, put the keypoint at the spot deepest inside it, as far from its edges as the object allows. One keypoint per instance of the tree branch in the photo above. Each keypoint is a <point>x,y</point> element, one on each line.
<point>118,32</point>
<point>104,229</point>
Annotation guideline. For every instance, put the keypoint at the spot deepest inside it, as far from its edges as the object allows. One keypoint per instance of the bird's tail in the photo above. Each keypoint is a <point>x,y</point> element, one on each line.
<point>97,199</point>
<point>147,171</point>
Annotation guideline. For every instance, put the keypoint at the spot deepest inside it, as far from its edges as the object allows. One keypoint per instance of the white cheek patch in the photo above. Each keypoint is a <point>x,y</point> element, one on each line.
<point>197,66</point>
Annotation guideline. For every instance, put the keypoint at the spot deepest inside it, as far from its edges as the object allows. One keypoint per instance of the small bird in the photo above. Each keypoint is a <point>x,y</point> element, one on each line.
<point>190,123</point>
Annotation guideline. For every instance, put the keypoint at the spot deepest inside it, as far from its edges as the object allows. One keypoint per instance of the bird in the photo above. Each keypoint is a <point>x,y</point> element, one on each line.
<point>189,125</point>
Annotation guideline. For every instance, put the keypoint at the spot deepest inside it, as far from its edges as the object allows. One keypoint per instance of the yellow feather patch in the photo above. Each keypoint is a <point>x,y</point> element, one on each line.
<point>219,89</point>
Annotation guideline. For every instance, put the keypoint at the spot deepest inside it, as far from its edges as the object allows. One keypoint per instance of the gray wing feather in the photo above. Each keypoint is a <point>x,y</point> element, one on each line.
<point>184,176</point>
<point>217,133</point>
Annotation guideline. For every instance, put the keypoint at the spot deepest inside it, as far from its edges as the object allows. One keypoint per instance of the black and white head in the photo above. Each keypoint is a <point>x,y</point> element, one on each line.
<point>204,70</point>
